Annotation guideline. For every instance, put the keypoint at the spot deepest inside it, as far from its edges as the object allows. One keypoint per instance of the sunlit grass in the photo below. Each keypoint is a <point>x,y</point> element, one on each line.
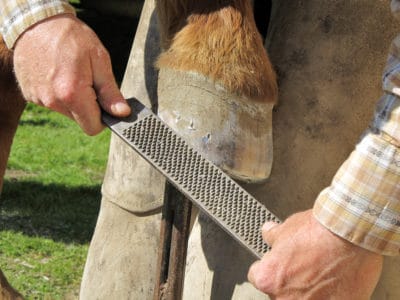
<point>51,194</point>
<point>49,204</point>
<point>41,267</point>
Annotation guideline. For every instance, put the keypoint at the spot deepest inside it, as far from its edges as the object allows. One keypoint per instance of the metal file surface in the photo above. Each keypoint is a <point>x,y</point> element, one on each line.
<point>206,185</point>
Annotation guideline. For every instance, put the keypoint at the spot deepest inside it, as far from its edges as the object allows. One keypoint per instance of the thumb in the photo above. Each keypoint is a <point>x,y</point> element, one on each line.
<point>270,232</point>
<point>108,94</point>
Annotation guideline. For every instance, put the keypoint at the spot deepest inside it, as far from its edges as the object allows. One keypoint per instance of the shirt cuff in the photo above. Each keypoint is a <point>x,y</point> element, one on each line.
<point>362,205</point>
<point>17,16</point>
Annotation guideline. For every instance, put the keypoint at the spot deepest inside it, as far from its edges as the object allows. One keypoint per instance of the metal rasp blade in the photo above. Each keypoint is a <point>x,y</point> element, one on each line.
<point>206,185</point>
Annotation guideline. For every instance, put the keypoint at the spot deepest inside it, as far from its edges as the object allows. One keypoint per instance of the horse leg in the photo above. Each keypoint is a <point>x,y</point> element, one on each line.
<point>11,106</point>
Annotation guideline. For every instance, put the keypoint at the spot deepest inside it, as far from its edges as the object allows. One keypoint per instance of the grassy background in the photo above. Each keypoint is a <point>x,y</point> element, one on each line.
<point>51,193</point>
<point>50,203</point>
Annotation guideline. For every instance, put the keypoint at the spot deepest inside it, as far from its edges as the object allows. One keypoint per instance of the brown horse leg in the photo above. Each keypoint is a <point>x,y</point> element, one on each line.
<point>7,292</point>
<point>11,106</point>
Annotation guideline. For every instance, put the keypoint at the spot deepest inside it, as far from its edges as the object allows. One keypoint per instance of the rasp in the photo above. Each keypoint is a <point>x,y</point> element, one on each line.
<point>201,181</point>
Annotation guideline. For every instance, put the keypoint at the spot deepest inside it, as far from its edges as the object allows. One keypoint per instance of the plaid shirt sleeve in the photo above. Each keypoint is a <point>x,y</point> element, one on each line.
<point>362,204</point>
<point>18,15</point>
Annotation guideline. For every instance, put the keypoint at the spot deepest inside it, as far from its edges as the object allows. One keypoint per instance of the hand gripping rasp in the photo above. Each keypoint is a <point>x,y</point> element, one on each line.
<point>206,185</point>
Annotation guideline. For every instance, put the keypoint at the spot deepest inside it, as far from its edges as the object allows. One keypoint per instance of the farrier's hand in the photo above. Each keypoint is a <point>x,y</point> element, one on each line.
<point>62,65</point>
<point>307,261</point>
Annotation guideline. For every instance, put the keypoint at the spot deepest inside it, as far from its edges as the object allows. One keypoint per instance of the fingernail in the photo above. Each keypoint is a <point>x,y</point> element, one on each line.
<point>122,108</point>
<point>269,225</point>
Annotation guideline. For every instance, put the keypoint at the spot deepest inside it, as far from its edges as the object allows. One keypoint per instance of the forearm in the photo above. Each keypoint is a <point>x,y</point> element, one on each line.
<point>18,15</point>
<point>362,204</point>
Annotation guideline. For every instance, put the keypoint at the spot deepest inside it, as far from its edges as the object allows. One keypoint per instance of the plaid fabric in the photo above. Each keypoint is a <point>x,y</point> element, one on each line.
<point>18,15</point>
<point>362,204</point>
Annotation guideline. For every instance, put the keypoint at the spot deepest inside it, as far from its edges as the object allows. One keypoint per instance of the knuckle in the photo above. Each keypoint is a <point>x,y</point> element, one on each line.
<point>45,99</point>
<point>50,103</point>
<point>93,131</point>
<point>102,53</point>
<point>264,278</point>
<point>66,91</point>
<point>271,282</point>
<point>263,283</point>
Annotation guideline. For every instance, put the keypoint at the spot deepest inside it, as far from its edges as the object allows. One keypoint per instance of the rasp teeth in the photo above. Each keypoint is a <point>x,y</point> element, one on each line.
<point>207,186</point>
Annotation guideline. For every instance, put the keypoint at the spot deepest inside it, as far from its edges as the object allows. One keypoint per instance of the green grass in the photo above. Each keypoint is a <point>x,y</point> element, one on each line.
<point>51,195</point>
<point>49,205</point>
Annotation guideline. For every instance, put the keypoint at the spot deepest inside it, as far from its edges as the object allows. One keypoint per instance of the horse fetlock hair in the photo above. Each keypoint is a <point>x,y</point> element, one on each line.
<point>218,39</point>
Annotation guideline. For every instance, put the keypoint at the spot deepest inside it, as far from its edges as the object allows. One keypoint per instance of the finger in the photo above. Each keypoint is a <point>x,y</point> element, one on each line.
<point>108,94</point>
<point>253,272</point>
<point>260,276</point>
<point>52,105</point>
<point>86,112</point>
<point>62,110</point>
<point>269,232</point>
<point>77,104</point>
